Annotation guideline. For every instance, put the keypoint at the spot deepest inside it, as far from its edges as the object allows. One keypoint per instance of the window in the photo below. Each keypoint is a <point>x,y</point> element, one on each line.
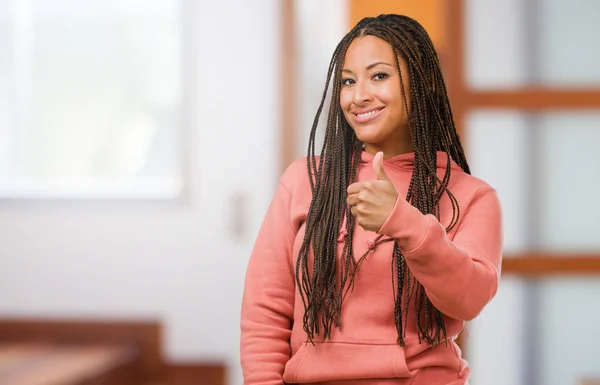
<point>526,91</point>
<point>91,101</point>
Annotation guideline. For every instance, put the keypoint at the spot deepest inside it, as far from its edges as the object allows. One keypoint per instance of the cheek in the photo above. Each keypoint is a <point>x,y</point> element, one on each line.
<point>393,98</point>
<point>345,100</point>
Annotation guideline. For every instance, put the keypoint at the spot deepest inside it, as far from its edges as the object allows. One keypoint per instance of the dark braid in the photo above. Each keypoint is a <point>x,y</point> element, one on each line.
<point>432,129</point>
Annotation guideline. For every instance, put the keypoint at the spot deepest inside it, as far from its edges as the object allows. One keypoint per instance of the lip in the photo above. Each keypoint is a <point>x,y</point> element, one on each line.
<point>368,118</point>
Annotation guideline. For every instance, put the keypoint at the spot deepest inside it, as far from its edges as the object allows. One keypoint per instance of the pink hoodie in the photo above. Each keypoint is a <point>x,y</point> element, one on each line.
<point>459,270</point>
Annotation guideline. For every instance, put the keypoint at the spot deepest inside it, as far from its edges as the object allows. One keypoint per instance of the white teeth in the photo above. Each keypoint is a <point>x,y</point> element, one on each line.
<point>367,114</point>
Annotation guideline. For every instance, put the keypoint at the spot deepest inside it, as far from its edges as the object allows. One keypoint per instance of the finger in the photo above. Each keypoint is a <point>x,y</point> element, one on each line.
<point>378,167</point>
<point>355,188</point>
<point>353,211</point>
<point>353,200</point>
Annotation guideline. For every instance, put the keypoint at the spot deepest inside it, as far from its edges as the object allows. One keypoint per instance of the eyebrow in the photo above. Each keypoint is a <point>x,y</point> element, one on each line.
<point>370,66</point>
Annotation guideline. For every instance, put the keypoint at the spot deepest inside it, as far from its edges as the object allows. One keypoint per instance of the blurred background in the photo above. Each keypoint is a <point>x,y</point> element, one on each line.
<point>141,143</point>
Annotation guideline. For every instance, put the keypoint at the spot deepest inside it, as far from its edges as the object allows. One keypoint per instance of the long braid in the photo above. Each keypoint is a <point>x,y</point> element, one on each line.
<point>432,129</point>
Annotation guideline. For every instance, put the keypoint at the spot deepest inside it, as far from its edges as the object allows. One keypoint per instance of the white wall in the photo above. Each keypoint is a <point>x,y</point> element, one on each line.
<point>175,261</point>
<point>320,27</point>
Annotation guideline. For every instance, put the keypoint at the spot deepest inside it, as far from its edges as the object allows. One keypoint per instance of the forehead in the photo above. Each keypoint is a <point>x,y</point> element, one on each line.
<point>366,50</point>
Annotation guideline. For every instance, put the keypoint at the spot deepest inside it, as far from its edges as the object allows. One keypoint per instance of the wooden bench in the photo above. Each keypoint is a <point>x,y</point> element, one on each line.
<point>87,352</point>
<point>79,352</point>
<point>53,364</point>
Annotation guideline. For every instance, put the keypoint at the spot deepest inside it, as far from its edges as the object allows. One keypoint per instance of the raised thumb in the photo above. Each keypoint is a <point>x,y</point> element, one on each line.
<point>378,167</point>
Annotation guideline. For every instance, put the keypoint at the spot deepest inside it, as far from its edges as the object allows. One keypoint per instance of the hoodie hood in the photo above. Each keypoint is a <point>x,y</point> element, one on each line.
<point>407,161</point>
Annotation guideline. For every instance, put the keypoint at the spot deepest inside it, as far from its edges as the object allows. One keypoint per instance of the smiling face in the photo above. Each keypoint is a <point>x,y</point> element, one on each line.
<point>371,98</point>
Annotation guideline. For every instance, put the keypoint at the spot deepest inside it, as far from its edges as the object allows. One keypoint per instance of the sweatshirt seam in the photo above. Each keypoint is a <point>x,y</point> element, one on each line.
<point>422,240</point>
<point>458,360</point>
<point>287,189</point>
<point>290,196</point>
<point>476,196</point>
<point>479,193</point>
<point>289,223</point>
<point>301,363</point>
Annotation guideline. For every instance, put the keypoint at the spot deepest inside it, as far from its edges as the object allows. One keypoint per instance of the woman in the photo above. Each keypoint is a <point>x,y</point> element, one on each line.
<point>373,255</point>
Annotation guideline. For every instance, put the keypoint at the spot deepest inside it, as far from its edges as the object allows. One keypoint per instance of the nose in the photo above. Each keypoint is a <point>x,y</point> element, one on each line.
<point>362,93</point>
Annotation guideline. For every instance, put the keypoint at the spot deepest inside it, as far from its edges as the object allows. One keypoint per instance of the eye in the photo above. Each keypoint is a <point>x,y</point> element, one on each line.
<point>347,81</point>
<point>380,76</point>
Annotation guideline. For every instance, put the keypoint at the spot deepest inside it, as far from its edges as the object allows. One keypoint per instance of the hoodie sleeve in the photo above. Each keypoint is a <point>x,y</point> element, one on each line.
<point>268,298</point>
<point>459,276</point>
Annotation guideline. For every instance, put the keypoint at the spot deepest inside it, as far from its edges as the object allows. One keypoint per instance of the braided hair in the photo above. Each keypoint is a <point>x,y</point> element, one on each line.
<point>324,283</point>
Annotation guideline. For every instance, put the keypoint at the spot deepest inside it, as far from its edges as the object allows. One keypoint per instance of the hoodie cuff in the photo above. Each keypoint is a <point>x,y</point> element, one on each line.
<point>407,225</point>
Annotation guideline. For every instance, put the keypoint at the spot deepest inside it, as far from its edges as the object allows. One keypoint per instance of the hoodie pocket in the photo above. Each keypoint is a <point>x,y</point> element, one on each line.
<point>345,361</point>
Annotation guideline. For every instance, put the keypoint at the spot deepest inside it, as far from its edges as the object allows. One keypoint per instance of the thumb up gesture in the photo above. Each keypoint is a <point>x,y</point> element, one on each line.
<point>372,202</point>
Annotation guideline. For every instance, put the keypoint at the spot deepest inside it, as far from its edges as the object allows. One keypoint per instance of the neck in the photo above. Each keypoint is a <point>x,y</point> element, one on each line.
<point>389,151</point>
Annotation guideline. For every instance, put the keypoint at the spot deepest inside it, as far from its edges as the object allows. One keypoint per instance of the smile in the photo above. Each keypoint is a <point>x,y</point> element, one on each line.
<point>366,116</point>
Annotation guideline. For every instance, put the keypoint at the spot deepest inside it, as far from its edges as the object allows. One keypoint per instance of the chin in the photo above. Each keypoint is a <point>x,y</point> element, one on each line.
<point>369,137</point>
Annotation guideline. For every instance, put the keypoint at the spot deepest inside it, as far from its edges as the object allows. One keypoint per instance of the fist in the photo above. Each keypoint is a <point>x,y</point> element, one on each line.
<point>372,202</point>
